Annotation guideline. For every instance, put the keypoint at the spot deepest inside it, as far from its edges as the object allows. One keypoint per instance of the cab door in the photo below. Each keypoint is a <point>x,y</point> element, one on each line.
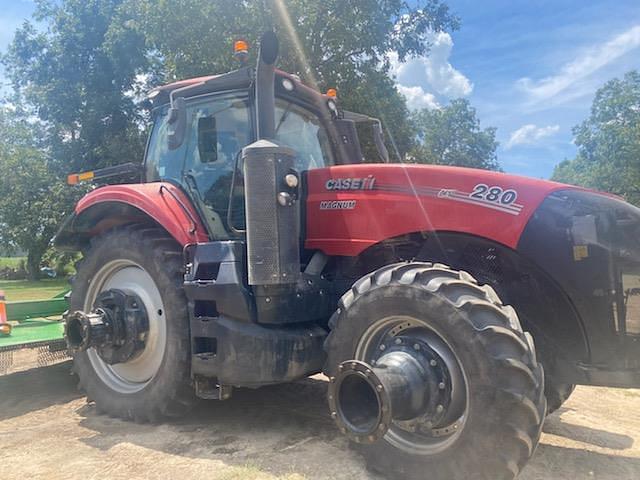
<point>218,127</point>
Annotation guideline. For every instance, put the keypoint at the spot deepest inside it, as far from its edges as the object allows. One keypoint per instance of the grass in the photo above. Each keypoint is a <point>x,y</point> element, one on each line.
<point>11,262</point>
<point>25,290</point>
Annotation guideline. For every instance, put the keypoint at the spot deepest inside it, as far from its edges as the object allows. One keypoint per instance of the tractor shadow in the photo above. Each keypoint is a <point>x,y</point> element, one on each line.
<point>552,462</point>
<point>36,389</point>
<point>555,425</point>
<point>279,429</point>
<point>286,428</point>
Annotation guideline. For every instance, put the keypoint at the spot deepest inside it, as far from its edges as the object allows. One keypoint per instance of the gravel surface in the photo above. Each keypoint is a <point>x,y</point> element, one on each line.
<point>47,430</point>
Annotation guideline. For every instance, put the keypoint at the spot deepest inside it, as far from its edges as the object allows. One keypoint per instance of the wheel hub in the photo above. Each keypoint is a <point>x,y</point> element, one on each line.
<point>406,383</point>
<point>117,327</point>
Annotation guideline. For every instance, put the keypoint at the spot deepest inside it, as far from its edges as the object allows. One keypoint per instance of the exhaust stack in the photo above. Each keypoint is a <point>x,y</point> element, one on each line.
<point>265,85</point>
<point>271,187</point>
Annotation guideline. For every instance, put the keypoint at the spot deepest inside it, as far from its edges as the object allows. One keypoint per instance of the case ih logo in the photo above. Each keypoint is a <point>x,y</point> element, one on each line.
<point>366,183</point>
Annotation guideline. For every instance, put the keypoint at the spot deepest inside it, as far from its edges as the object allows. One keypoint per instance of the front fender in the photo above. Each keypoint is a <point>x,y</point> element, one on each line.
<point>107,207</point>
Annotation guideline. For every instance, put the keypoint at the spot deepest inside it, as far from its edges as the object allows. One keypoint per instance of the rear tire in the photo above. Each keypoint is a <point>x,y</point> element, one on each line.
<point>504,382</point>
<point>158,385</point>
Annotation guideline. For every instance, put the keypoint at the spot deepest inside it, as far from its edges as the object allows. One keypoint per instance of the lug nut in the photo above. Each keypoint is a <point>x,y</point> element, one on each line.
<point>433,363</point>
<point>439,408</point>
<point>416,346</point>
<point>441,385</point>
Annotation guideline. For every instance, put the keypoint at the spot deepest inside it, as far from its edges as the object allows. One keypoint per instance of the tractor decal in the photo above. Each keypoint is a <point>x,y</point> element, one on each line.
<point>366,183</point>
<point>337,205</point>
<point>482,195</point>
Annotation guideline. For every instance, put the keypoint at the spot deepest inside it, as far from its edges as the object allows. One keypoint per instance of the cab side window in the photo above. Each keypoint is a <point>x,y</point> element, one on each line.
<point>219,128</point>
<point>161,162</point>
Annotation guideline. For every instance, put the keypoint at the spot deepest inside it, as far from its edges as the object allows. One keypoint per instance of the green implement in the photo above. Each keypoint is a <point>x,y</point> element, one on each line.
<point>28,309</point>
<point>36,327</point>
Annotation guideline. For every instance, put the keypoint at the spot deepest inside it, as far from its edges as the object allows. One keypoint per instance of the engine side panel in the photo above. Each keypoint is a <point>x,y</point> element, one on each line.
<point>352,207</point>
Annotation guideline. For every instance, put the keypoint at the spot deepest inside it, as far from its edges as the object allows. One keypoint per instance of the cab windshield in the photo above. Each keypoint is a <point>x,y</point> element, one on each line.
<point>300,129</point>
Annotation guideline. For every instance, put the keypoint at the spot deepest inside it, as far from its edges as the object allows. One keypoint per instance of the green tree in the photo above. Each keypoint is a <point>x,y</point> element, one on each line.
<point>452,136</point>
<point>79,75</point>
<point>32,197</point>
<point>82,73</point>
<point>331,43</point>
<point>609,142</point>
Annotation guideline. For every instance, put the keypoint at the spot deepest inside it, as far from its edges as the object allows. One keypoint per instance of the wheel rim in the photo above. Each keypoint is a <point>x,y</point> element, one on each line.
<point>134,375</point>
<point>414,437</point>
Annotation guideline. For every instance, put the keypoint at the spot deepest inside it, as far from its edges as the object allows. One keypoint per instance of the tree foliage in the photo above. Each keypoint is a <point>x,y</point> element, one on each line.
<point>81,74</point>
<point>609,142</point>
<point>78,76</point>
<point>452,136</point>
<point>333,43</point>
<point>32,196</point>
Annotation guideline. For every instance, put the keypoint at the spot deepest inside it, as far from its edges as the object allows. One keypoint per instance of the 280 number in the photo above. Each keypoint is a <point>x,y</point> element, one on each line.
<point>494,194</point>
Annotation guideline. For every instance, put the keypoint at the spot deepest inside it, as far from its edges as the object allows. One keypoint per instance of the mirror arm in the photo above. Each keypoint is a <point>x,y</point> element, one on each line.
<point>178,115</point>
<point>378,138</point>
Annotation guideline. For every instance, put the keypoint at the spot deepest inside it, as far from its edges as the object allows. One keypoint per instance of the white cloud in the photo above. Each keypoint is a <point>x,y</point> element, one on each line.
<point>530,134</point>
<point>417,98</point>
<point>432,73</point>
<point>579,69</point>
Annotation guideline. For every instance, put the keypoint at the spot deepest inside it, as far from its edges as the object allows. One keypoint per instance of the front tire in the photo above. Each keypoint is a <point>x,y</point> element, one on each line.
<point>499,390</point>
<point>156,384</point>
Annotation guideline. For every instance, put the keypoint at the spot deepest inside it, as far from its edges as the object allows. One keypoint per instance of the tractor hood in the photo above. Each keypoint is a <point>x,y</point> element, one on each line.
<point>351,207</point>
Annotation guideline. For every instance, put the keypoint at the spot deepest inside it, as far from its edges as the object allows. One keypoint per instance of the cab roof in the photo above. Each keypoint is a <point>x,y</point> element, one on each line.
<point>236,79</point>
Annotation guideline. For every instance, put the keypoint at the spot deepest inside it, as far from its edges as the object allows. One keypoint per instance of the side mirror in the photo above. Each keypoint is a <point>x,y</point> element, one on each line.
<point>378,138</point>
<point>348,146</point>
<point>177,123</point>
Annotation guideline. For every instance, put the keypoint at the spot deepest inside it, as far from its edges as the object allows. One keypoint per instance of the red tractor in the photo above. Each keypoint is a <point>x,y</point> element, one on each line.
<point>260,248</point>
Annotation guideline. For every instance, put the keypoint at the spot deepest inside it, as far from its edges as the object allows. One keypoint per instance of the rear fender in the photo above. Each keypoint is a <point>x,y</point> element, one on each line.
<point>161,203</point>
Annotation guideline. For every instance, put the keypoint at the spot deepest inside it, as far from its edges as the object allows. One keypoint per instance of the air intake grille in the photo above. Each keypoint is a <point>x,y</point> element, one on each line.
<point>273,230</point>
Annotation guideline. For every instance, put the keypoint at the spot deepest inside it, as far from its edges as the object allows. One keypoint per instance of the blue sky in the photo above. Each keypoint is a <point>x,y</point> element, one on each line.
<point>529,67</point>
<point>12,14</point>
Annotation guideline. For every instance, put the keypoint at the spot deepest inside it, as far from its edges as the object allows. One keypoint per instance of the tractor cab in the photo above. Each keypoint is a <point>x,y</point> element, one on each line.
<point>201,125</point>
<point>219,123</point>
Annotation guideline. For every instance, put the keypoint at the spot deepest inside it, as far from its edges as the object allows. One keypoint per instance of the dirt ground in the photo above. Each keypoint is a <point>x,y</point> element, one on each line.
<point>47,430</point>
